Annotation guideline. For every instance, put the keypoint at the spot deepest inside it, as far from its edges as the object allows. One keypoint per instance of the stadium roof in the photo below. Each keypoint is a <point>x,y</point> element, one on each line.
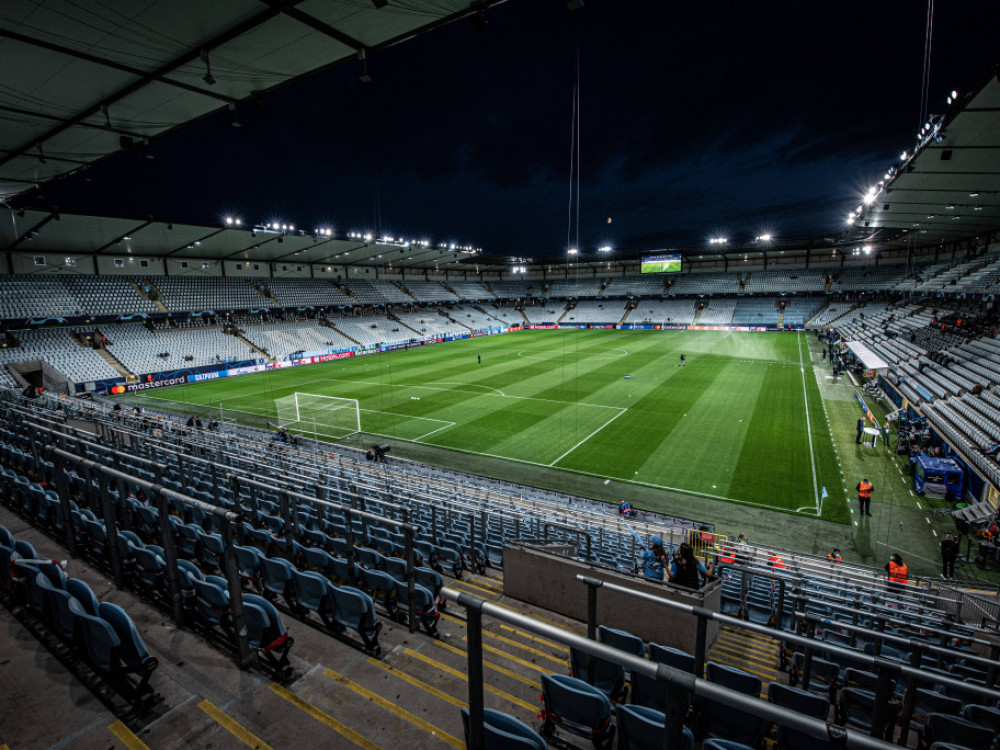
<point>50,231</point>
<point>947,189</point>
<point>83,81</point>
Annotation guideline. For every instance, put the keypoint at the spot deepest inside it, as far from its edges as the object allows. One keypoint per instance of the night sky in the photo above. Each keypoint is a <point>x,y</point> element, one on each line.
<point>696,120</point>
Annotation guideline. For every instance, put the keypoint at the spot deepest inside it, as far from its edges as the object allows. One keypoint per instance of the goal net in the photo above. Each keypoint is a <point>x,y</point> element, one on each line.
<point>324,416</point>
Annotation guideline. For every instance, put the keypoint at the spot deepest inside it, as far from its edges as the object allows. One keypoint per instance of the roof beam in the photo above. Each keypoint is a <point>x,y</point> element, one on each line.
<point>79,55</point>
<point>317,242</point>
<point>42,158</point>
<point>314,23</point>
<point>33,231</point>
<point>54,118</point>
<point>200,239</point>
<point>115,241</point>
<point>189,55</point>
<point>247,249</point>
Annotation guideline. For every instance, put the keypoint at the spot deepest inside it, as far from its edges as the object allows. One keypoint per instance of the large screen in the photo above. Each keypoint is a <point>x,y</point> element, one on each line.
<point>661,263</point>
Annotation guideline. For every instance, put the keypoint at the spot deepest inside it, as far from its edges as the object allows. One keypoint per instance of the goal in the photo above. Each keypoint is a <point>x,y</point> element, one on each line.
<point>324,416</point>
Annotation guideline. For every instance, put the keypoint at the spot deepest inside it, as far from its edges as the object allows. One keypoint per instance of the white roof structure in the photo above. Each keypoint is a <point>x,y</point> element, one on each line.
<point>868,358</point>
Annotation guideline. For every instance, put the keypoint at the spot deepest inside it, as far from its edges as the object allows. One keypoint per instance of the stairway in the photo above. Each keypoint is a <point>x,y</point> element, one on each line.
<point>698,312</point>
<point>526,321</point>
<point>346,290</point>
<point>253,346</point>
<point>404,290</point>
<point>628,311</point>
<point>565,313</point>
<point>154,298</point>
<point>488,288</point>
<point>396,319</point>
<point>111,360</point>
<point>781,314</point>
<point>268,295</point>
<point>326,322</point>
<point>756,654</point>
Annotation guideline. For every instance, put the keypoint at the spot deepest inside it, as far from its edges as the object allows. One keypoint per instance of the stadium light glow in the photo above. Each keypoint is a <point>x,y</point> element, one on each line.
<point>605,249</point>
<point>717,241</point>
<point>229,219</point>
<point>237,222</point>
<point>572,251</point>
<point>867,250</point>
<point>764,238</point>
<point>903,156</point>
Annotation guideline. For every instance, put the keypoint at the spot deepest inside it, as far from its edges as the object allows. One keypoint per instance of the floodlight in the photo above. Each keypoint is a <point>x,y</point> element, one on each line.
<point>954,95</point>
<point>229,219</point>
<point>237,222</point>
<point>903,156</point>
<point>572,251</point>
<point>605,249</point>
<point>764,238</point>
<point>867,250</point>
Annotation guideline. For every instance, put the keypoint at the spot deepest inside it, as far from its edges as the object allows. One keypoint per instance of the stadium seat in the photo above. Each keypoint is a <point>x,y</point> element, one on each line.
<point>62,618</point>
<point>576,707</point>
<point>642,728</point>
<point>277,578</point>
<point>717,744</point>
<point>266,634</point>
<point>423,604</point>
<point>381,587</point>
<point>802,702</point>
<point>212,602</point>
<point>957,731</point>
<point>621,640</point>
<point>354,609</point>
<point>857,707</point>
<point>83,594</point>
<point>984,716</point>
<point>724,722</point>
<point>504,732</point>
<point>608,677</point>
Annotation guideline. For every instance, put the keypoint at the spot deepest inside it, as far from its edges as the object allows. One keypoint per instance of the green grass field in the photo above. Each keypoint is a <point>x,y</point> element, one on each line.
<point>742,421</point>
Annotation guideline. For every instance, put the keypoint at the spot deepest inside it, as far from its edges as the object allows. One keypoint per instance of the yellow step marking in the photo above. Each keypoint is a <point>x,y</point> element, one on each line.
<point>491,592</point>
<point>125,736</point>
<point>233,727</point>
<point>402,713</point>
<point>744,668</point>
<point>489,664</point>
<point>490,583</point>
<point>452,618</point>
<point>562,661</point>
<point>535,638</point>
<point>455,673</point>
<point>716,655</point>
<point>324,718</point>
<point>561,626</point>
<point>396,672</point>
<point>742,648</point>
<point>517,660</point>
<point>746,635</point>
<point>749,641</point>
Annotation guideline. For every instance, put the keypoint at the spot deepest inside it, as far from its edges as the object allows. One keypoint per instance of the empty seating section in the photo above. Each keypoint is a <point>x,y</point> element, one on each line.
<point>366,293</point>
<point>473,319</point>
<point>428,291</point>
<point>719,312</point>
<point>596,311</point>
<point>107,295</point>
<point>470,290</point>
<point>580,287</point>
<point>867,278</point>
<point>516,289</point>
<point>509,315</point>
<point>636,285</point>
<point>371,331</point>
<point>281,339</point>
<point>831,313</point>
<point>390,292</point>
<point>704,282</point>
<point>799,310</point>
<point>139,349</point>
<point>289,292</point>
<point>546,314</point>
<point>755,312</point>
<point>210,292</point>
<point>799,280</point>
<point>660,312</point>
<point>36,296</point>
<point>57,347</point>
<point>431,323</point>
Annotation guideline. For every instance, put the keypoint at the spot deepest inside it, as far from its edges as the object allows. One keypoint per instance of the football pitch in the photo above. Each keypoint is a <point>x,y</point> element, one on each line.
<point>740,421</point>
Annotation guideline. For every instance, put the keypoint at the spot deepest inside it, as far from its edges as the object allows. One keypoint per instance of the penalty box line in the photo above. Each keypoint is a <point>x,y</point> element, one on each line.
<point>588,437</point>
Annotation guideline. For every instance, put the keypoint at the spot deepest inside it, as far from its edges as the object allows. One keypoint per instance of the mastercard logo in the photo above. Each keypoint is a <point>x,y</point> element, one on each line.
<point>118,389</point>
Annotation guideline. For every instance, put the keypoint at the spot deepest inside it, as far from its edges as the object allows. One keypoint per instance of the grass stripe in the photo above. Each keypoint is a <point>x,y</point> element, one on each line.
<point>125,736</point>
<point>324,718</point>
<point>405,677</point>
<point>232,726</point>
<point>464,678</point>
<point>402,713</point>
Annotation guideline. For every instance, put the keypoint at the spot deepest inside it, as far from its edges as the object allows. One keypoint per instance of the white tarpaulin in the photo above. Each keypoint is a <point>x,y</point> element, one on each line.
<point>869,359</point>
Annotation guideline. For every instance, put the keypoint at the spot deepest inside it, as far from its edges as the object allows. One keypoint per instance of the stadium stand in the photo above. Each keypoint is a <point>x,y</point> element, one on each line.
<point>719,312</point>
<point>545,314</point>
<point>307,292</point>
<point>593,311</point>
<point>142,351</point>
<point>755,312</point>
<point>281,339</point>
<point>210,292</point>
<point>58,348</point>
<point>660,312</point>
<point>429,291</point>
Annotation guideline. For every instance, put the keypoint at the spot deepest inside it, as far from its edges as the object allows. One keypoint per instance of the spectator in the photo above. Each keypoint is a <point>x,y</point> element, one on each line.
<point>626,509</point>
<point>896,569</point>
<point>835,557</point>
<point>949,552</point>
<point>654,559</point>
<point>687,570</point>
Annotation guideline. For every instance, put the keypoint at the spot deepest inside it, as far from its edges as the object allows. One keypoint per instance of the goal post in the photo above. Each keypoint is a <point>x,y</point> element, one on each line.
<point>326,416</point>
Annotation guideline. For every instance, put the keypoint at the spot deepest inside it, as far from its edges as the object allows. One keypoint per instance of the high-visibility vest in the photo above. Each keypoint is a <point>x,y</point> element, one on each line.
<point>865,490</point>
<point>776,562</point>
<point>834,558</point>
<point>897,572</point>
<point>727,555</point>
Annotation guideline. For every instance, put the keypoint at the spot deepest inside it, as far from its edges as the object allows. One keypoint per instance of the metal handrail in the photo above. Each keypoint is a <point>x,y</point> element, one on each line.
<point>679,684</point>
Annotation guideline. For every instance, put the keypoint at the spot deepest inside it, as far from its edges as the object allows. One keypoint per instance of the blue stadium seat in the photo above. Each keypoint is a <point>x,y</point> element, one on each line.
<point>132,651</point>
<point>248,560</point>
<point>608,677</point>
<point>381,586</point>
<point>354,609</point>
<point>928,702</point>
<point>277,578</point>
<point>318,560</point>
<point>57,603</point>
<point>149,570</point>
<point>801,702</point>
<point>211,601</point>
<point>957,731</point>
<point>266,633</point>
<point>724,722</point>
<point>313,593</point>
<point>857,707</point>
<point>504,732</point>
<point>423,604</point>
<point>576,707</point>
<point>80,591</point>
<point>642,728</point>
<point>621,640</point>
<point>984,716</point>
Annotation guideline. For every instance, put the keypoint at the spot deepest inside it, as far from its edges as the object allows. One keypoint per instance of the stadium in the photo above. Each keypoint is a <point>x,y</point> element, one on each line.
<point>268,485</point>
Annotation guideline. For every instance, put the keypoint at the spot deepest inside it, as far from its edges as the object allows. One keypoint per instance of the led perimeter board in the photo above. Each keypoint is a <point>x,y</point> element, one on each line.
<point>661,263</point>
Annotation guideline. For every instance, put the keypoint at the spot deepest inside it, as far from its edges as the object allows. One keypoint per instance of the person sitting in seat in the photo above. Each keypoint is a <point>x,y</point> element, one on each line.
<point>625,509</point>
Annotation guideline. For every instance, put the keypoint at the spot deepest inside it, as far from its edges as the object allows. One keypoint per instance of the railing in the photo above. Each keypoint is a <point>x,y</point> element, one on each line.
<point>887,670</point>
<point>679,684</point>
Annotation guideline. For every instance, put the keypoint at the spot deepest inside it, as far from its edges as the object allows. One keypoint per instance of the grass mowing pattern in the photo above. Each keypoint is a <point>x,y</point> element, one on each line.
<point>731,424</point>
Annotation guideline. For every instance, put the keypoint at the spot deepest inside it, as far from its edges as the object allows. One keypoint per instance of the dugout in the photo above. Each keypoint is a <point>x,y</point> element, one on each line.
<point>872,362</point>
<point>938,477</point>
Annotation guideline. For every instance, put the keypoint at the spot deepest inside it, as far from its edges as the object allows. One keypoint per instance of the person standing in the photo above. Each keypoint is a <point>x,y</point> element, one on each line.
<point>896,569</point>
<point>479,358</point>
<point>835,557</point>
<point>654,559</point>
<point>949,551</point>
<point>861,430</point>
<point>864,489</point>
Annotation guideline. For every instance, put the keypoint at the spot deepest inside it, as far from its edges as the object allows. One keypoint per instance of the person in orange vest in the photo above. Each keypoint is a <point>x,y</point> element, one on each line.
<point>775,561</point>
<point>865,496</point>
<point>727,555</point>
<point>834,556</point>
<point>896,569</point>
